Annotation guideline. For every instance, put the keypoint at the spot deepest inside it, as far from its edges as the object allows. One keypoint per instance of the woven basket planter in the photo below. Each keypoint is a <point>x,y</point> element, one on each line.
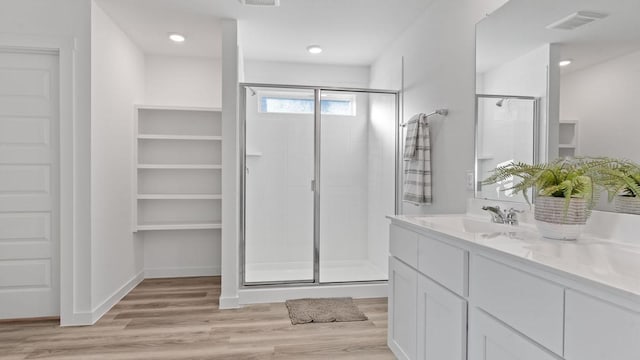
<point>554,222</point>
<point>627,204</point>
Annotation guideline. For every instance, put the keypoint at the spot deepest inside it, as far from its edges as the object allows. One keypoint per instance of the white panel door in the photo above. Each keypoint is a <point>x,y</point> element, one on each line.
<point>29,256</point>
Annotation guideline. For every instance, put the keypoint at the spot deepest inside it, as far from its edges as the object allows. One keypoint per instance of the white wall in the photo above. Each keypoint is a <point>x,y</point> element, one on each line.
<point>270,72</point>
<point>68,21</point>
<point>603,99</point>
<point>117,83</point>
<point>181,253</point>
<point>439,72</point>
<point>183,81</point>
<point>230,176</point>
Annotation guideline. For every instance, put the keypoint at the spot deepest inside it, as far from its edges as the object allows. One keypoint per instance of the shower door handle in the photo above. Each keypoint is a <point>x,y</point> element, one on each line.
<point>313,185</point>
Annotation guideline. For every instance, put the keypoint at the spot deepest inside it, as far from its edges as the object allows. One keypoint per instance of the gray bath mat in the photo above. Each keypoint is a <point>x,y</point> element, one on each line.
<point>302,311</point>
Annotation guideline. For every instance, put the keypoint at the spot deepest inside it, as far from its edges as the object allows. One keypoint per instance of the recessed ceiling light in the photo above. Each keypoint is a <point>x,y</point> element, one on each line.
<point>175,37</point>
<point>565,62</point>
<point>314,49</point>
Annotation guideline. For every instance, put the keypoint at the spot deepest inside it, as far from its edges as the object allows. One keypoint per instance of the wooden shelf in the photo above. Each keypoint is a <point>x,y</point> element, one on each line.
<point>178,226</point>
<point>180,166</point>
<point>179,197</point>
<point>179,137</point>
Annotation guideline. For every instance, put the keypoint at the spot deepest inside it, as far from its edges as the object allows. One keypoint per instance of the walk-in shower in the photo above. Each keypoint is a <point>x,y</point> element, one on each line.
<point>318,178</point>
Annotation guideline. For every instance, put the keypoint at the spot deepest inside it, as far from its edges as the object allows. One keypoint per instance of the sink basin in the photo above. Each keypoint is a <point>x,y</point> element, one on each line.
<point>467,225</point>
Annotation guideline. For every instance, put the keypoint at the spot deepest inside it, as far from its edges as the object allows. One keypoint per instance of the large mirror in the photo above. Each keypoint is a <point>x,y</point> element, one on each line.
<point>581,58</point>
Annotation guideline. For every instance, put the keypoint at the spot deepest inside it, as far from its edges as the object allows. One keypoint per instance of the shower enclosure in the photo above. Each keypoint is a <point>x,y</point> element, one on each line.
<point>506,133</point>
<point>318,177</point>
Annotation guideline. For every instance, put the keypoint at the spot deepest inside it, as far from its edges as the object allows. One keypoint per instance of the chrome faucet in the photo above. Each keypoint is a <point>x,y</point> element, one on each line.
<point>500,216</point>
<point>497,215</point>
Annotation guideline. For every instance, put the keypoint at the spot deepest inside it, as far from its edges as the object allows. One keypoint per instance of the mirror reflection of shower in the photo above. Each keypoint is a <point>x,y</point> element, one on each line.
<point>506,127</point>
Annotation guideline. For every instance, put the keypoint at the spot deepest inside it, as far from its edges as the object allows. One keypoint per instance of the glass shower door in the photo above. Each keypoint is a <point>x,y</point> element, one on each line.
<point>357,184</point>
<point>279,201</point>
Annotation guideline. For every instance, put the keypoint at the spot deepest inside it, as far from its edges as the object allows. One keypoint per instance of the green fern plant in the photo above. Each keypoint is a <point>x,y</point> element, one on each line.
<point>564,178</point>
<point>621,177</point>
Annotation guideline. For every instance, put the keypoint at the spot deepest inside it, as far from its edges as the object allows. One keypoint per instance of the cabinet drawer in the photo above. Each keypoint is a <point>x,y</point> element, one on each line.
<point>403,244</point>
<point>446,264</point>
<point>531,305</point>
<point>595,329</point>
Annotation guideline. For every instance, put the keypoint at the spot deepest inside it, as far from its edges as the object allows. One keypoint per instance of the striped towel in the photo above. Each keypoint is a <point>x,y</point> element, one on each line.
<point>417,156</point>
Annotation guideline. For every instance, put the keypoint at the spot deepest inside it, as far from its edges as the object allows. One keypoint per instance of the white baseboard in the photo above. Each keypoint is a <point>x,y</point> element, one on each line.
<point>77,319</point>
<point>108,303</point>
<point>269,295</point>
<point>153,273</point>
<point>229,302</point>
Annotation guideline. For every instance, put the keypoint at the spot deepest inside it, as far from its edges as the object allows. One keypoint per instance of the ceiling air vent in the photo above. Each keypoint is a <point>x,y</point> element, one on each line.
<point>261,2</point>
<point>576,20</point>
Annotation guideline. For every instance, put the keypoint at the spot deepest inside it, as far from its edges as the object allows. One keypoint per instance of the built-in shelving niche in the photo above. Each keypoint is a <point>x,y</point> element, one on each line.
<point>568,139</point>
<point>178,168</point>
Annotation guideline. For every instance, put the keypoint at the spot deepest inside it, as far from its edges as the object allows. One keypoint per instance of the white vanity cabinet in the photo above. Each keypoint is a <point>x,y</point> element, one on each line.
<point>426,319</point>
<point>453,297</point>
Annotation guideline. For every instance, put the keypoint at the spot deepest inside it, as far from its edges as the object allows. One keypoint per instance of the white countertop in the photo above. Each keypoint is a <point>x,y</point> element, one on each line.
<point>615,265</point>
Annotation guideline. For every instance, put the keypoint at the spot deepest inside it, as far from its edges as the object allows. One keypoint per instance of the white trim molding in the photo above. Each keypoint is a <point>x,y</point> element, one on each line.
<point>66,51</point>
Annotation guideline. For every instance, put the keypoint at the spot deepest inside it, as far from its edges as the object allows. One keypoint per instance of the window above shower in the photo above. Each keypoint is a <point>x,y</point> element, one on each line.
<point>289,103</point>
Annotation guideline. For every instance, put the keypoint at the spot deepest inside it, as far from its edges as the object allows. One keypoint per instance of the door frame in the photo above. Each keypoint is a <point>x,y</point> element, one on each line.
<point>65,49</point>
<point>317,116</point>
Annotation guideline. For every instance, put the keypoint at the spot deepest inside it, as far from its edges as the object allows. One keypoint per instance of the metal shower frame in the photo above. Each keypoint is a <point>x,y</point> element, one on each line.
<point>317,90</point>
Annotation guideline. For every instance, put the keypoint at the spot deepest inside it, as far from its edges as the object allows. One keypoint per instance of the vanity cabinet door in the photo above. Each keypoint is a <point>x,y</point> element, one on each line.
<point>403,286</point>
<point>442,322</point>
<point>596,330</point>
<point>489,339</point>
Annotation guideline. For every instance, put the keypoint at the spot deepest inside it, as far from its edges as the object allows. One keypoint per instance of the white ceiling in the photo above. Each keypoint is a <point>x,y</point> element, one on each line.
<point>352,32</point>
<point>519,27</point>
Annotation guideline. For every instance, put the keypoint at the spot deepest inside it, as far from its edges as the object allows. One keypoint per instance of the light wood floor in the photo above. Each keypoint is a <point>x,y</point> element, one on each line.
<point>179,319</point>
